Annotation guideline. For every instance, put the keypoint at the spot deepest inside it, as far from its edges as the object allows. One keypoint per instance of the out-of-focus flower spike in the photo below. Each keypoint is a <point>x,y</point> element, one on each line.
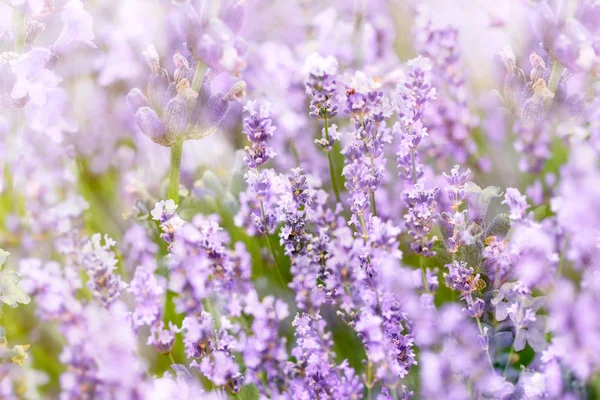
<point>231,12</point>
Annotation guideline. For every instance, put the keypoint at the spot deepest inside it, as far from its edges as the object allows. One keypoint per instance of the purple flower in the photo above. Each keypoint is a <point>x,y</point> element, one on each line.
<point>211,350</point>
<point>258,128</point>
<point>462,278</point>
<point>456,185</point>
<point>77,27</point>
<point>33,78</point>
<point>165,213</point>
<point>100,263</point>
<point>529,327</point>
<point>148,294</point>
<point>321,84</point>
<point>314,374</point>
<point>416,92</point>
<point>420,218</point>
<point>517,204</point>
<point>162,339</point>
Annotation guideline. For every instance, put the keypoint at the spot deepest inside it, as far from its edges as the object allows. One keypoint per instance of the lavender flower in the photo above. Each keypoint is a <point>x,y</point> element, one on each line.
<point>321,84</point>
<point>462,278</point>
<point>313,373</point>
<point>421,218</point>
<point>258,128</point>
<point>33,78</point>
<point>149,298</point>
<point>100,263</point>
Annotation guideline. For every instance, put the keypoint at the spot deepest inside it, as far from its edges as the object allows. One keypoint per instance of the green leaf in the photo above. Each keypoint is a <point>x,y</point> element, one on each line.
<point>499,226</point>
<point>249,392</point>
<point>540,212</point>
<point>3,256</point>
<point>212,182</point>
<point>10,293</point>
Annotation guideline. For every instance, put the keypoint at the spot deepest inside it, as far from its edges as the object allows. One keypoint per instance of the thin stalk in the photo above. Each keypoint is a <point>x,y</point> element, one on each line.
<point>18,28</point>
<point>208,307</point>
<point>271,247</point>
<point>561,262</point>
<point>171,358</point>
<point>295,153</point>
<point>198,75</point>
<point>368,382</point>
<point>487,353</point>
<point>424,274</point>
<point>453,292</point>
<point>372,193</point>
<point>175,171</point>
<point>364,227</point>
<point>510,354</point>
<point>414,170</point>
<point>553,81</point>
<point>331,165</point>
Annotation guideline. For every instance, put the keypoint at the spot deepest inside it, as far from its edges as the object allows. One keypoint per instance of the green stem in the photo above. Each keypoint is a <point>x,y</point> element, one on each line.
<point>424,274</point>
<point>561,262</point>
<point>271,247</point>
<point>364,227</point>
<point>331,165</point>
<point>18,28</point>
<point>414,170</point>
<point>214,313</point>
<point>198,76</point>
<point>175,170</point>
<point>171,358</point>
<point>487,353</point>
<point>295,153</point>
<point>372,194</point>
<point>369,383</point>
<point>510,353</point>
<point>553,81</point>
<point>453,292</point>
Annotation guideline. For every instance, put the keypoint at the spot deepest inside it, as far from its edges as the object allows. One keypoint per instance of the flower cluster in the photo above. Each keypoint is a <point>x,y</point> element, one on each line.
<point>392,213</point>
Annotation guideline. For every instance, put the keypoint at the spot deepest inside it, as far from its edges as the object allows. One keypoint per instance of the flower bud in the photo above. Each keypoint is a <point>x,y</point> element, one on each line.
<point>509,59</point>
<point>215,110</point>
<point>177,115</point>
<point>152,126</point>
<point>182,67</point>
<point>33,30</point>
<point>237,92</point>
<point>152,58</point>
<point>158,85</point>
<point>538,67</point>
<point>136,100</point>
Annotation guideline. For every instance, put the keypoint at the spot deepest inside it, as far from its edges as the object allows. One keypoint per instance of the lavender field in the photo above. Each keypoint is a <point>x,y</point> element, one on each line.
<point>299,199</point>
